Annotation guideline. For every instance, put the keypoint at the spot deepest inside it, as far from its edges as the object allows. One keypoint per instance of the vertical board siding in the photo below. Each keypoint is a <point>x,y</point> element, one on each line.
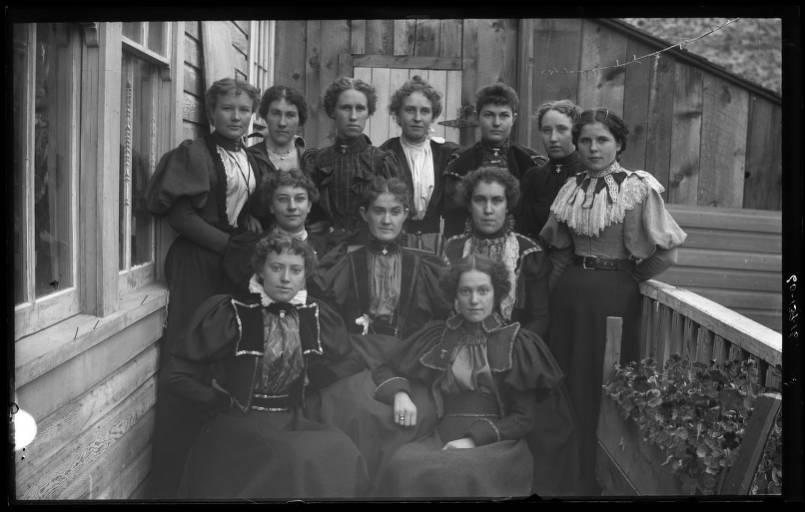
<point>289,55</point>
<point>334,42</point>
<point>450,38</point>
<point>404,37</point>
<point>686,135</point>
<point>357,36</point>
<point>380,37</point>
<point>763,185</point>
<point>469,77</point>
<point>658,138</point>
<point>601,47</point>
<point>635,106</point>
<point>426,42</point>
<point>723,151</point>
<point>317,117</point>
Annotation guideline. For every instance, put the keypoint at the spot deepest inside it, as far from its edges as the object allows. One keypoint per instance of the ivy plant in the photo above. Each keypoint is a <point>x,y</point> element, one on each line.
<point>696,414</point>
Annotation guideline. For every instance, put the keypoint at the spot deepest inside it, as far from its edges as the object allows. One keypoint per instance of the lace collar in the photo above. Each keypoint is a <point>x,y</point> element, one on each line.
<point>300,299</point>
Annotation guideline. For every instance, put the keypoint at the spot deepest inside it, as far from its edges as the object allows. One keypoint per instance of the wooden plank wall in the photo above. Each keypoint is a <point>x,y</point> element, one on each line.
<point>310,54</point>
<point>709,139</point>
<point>194,119</point>
<point>94,412</point>
<point>733,257</point>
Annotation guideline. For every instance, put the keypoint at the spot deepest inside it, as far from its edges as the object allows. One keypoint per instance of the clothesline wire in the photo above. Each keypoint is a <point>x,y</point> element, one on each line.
<point>656,54</point>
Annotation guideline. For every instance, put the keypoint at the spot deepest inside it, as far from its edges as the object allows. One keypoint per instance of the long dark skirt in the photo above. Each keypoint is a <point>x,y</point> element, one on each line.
<point>268,455</point>
<point>424,470</point>
<point>580,305</point>
<point>193,274</point>
<point>349,405</point>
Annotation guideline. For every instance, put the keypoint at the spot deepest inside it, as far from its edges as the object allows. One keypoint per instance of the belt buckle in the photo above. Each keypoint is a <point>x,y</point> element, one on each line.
<point>584,262</point>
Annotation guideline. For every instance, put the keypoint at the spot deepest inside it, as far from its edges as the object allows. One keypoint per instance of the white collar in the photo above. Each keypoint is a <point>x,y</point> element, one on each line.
<point>300,299</point>
<point>300,235</point>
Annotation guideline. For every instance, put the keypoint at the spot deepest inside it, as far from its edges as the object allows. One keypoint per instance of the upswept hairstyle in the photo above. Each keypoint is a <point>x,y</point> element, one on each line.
<point>565,107</point>
<point>291,95</point>
<point>223,87</point>
<point>290,178</point>
<point>281,243</point>
<point>495,175</point>
<point>380,185</point>
<point>496,94</point>
<point>416,84</point>
<point>346,83</point>
<point>602,115</point>
<point>495,269</point>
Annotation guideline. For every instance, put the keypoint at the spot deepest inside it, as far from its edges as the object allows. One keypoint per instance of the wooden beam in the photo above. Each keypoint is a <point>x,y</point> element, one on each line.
<point>407,62</point>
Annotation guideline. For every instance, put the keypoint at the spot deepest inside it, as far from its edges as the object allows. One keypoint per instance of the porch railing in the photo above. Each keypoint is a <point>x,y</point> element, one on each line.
<point>678,321</point>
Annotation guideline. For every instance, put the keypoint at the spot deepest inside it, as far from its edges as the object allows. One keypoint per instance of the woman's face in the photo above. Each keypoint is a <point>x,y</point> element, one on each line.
<point>415,117</point>
<point>351,113</point>
<point>290,207</point>
<point>556,133</point>
<point>475,296</point>
<point>232,114</point>
<point>385,217</point>
<point>597,146</point>
<point>496,122</point>
<point>283,122</point>
<point>283,275</point>
<point>488,207</point>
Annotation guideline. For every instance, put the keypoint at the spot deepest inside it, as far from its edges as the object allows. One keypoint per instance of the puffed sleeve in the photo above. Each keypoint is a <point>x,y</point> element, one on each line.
<point>179,173</point>
<point>388,166</point>
<point>533,364</point>
<point>429,300</point>
<point>210,337</point>
<point>394,377</point>
<point>651,234</point>
<point>532,292</point>
<point>556,237</point>
<point>339,359</point>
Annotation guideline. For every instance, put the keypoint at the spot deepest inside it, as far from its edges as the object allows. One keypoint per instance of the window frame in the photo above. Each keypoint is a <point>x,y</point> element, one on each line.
<point>36,313</point>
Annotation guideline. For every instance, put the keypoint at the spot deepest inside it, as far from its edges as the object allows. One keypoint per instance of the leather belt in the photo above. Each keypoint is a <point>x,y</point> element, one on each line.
<point>273,403</point>
<point>596,263</point>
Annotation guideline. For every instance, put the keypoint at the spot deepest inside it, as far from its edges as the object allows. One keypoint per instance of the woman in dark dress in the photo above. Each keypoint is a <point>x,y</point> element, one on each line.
<point>486,378</point>
<point>384,292</point>
<point>248,362</point>
<point>422,159</point>
<point>203,188</point>
<point>540,184</point>
<point>608,231</point>
<point>285,111</point>
<point>342,171</point>
<point>490,194</point>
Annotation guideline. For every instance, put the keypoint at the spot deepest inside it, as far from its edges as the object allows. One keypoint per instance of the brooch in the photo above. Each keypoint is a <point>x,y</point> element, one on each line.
<point>364,321</point>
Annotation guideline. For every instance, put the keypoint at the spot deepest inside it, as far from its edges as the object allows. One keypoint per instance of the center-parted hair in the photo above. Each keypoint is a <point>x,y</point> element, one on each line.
<point>345,83</point>
<point>279,243</point>
<point>223,87</point>
<point>566,107</point>
<point>606,117</point>
<point>494,175</point>
<point>380,185</point>
<point>416,84</point>
<point>496,270</point>
<point>291,178</point>
<point>289,94</point>
<point>496,94</point>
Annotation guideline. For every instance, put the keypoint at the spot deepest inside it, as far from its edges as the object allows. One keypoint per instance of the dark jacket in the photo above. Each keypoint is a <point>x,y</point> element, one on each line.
<point>259,154</point>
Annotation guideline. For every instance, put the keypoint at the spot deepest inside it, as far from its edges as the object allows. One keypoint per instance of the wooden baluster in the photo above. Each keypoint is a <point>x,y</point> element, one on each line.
<point>773,378</point>
<point>689,339</point>
<point>612,351</point>
<point>736,353</point>
<point>675,336</point>
<point>663,348</point>
<point>762,371</point>
<point>655,331</point>
<point>720,349</point>
<point>704,345</point>
<point>645,328</point>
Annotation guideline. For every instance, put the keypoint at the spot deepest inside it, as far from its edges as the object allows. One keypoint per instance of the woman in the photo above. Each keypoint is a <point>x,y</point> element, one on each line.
<point>496,111</point>
<point>489,194</point>
<point>608,231</point>
<point>381,289</point>
<point>486,378</point>
<point>422,159</point>
<point>342,171</point>
<point>248,362</point>
<point>541,184</point>
<point>285,111</point>
<point>203,188</point>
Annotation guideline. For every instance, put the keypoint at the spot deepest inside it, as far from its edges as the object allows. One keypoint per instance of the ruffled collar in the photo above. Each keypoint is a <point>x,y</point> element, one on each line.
<point>487,325</point>
<point>613,167</point>
<point>353,145</point>
<point>299,235</point>
<point>300,299</point>
<point>227,144</point>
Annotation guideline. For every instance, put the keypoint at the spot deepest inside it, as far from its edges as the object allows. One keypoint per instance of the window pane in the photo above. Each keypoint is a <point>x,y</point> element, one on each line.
<point>156,36</point>
<point>21,52</point>
<point>52,159</point>
<point>139,139</point>
<point>133,30</point>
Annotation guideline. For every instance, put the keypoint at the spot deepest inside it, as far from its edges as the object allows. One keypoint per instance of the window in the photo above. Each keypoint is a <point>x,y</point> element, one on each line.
<point>46,104</point>
<point>143,130</point>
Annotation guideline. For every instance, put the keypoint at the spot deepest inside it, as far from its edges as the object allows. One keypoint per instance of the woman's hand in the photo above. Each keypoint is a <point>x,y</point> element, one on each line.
<point>458,444</point>
<point>252,224</point>
<point>404,410</point>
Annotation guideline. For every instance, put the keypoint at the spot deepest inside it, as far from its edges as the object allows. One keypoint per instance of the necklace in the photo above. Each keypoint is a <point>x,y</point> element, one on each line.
<point>280,155</point>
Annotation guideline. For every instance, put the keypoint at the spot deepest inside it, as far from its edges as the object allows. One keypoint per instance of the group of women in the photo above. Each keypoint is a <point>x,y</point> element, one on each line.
<point>409,320</point>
